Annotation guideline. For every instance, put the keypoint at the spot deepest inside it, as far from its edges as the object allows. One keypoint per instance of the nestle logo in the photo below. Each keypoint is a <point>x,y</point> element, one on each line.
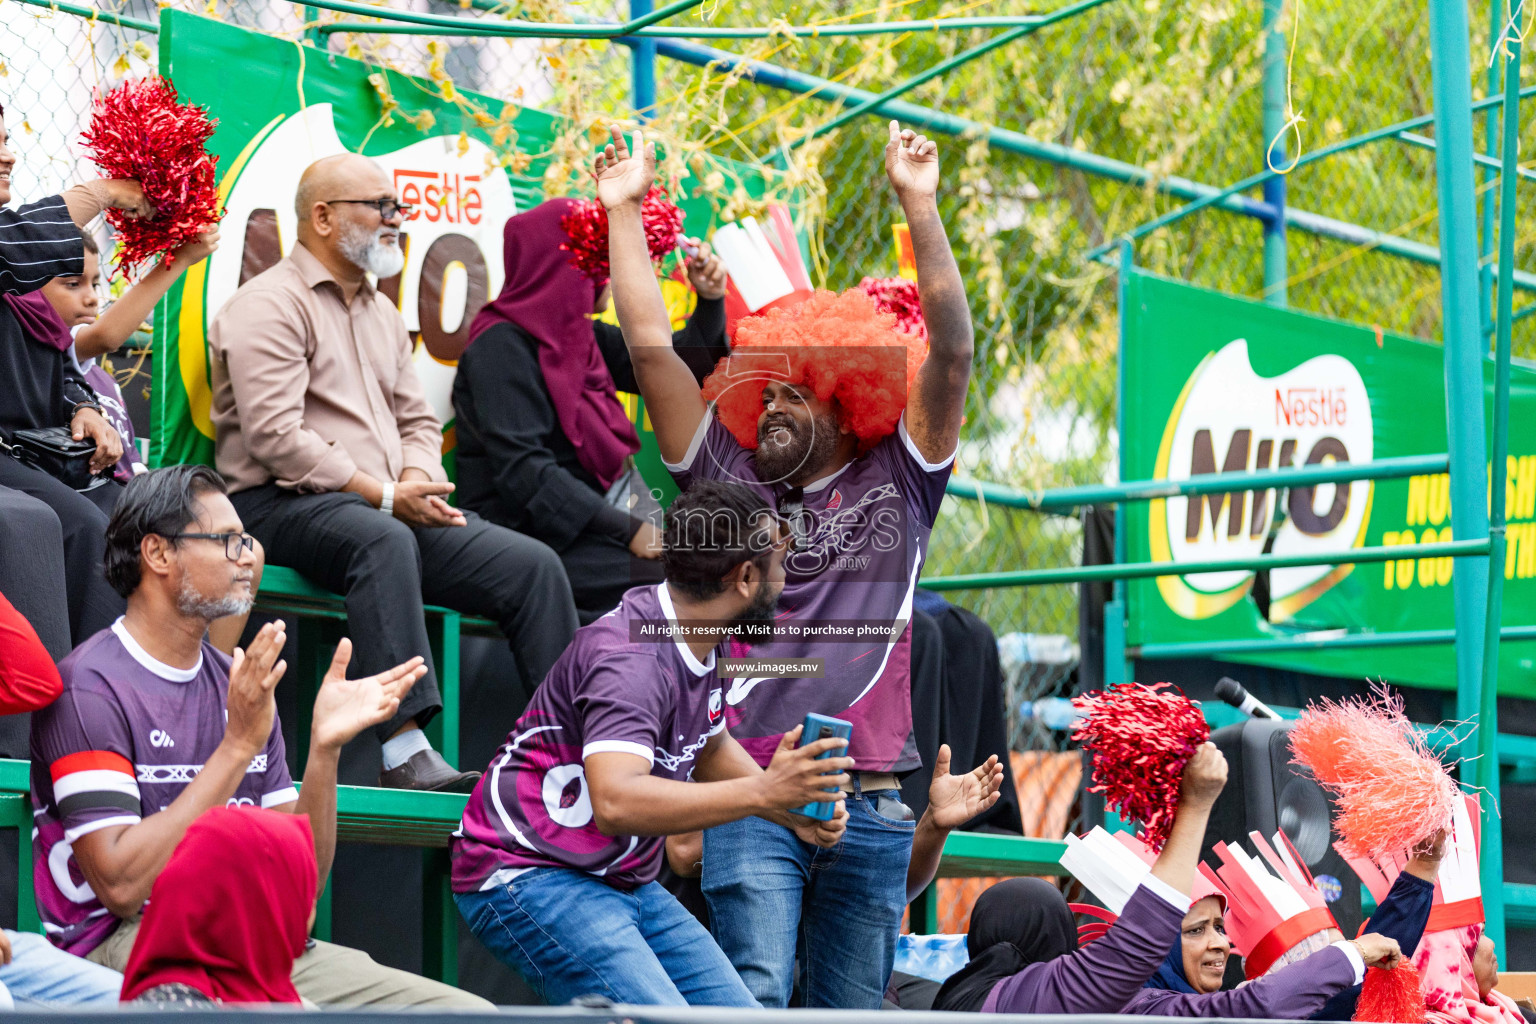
<point>439,196</point>
<point>1311,407</point>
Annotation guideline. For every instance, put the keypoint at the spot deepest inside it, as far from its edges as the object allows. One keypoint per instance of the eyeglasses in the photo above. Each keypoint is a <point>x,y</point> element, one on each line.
<point>793,516</point>
<point>387,207</point>
<point>235,544</point>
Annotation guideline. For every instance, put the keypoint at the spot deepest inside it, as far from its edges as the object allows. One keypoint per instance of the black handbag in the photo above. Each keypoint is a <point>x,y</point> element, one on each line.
<point>55,451</point>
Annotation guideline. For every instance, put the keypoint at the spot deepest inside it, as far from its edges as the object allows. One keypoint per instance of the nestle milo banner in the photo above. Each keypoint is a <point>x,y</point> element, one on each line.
<point>1215,384</point>
<point>279,108</point>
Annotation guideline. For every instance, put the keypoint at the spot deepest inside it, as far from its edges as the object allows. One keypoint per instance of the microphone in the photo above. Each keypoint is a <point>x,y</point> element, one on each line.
<point>1231,691</point>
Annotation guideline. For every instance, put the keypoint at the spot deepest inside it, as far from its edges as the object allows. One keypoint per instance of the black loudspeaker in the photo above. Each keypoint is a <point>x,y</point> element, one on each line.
<point>1265,793</point>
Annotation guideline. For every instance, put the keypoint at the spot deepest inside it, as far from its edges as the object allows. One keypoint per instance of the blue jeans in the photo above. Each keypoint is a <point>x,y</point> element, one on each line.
<point>42,975</point>
<point>771,895</point>
<point>569,934</point>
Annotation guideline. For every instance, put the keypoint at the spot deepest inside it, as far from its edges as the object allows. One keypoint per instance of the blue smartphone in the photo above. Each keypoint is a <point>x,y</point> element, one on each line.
<point>820,727</point>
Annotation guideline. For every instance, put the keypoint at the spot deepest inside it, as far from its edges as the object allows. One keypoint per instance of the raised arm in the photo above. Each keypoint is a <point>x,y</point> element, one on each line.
<point>1204,776</point>
<point>937,402</point>
<point>88,199</point>
<point>117,324</point>
<point>671,394</point>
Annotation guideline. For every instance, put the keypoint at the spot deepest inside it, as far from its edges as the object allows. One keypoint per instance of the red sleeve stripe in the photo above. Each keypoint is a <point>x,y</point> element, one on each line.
<point>90,760</point>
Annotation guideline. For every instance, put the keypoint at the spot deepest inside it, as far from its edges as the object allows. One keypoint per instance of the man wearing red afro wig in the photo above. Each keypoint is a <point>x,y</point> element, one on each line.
<point>849,427</point>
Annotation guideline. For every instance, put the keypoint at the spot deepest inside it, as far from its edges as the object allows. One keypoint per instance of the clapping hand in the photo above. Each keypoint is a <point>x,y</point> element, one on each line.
<point>345,707</point>
<point>253,676</point>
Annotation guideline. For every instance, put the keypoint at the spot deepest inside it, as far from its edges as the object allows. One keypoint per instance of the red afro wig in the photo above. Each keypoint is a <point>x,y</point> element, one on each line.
<point>840,346</point>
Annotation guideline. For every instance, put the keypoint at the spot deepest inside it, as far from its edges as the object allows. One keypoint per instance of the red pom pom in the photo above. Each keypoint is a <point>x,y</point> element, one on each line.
<point>587,227</point>
<point>1392,996</point>
<point>140,131</point>
<point>898,296</point>
<point>1140,740</point>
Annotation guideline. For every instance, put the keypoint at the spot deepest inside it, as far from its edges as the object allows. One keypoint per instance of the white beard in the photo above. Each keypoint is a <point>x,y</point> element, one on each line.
<point>191,603</point>
<point>370,252</point>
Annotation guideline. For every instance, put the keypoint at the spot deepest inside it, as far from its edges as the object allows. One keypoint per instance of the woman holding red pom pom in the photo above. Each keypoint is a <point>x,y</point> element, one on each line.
<point>1030,963</point>
<point>544,445</point>
<point>43,387</point>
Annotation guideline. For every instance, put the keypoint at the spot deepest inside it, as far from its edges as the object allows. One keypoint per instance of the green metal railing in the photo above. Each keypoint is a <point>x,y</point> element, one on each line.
<point>942,68</point>
<point>1069,499</point>
<point>1144,570</point>
<point>92,14</point>
<point>873,28</point>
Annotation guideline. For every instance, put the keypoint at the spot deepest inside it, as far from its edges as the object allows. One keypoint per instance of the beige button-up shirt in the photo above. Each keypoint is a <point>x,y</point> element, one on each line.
<point>307,390</point>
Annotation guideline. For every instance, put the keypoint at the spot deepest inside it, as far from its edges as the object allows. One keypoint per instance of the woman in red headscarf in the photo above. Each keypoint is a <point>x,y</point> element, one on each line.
<point>544,445</point>
<point>229,914</point>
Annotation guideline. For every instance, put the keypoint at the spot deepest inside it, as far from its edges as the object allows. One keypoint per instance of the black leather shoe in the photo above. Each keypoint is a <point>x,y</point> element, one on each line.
<point>427,770</point>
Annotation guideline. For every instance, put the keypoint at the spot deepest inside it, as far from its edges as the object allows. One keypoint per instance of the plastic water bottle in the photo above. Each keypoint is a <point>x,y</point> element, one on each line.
<point>934,957</point>
<point>1051,712</point>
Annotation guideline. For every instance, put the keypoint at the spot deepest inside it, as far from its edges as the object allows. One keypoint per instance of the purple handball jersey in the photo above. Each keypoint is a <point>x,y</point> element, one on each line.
<point>847,594</point>
<point>123,740</point>
<point>607,693</point>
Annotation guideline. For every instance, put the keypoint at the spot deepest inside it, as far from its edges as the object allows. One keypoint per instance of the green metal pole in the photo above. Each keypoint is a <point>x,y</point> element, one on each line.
<point>1452,70</point>
<point>1491,861</point>
<point>1117,668</point>
<point>1491,148</point>
<point>1275,265</point>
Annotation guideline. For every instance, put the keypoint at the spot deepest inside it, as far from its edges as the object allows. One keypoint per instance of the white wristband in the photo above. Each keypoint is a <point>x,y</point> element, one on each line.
<point>387,506</point>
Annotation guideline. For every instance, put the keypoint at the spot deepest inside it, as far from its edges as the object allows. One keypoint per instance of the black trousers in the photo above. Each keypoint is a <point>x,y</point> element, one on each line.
<point>601,569</point>
<point>82,525</point>
<point>387,569</point>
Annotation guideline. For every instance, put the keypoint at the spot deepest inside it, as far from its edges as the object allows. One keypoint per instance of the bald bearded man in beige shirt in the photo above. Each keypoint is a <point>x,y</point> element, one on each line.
<point>333,458</point>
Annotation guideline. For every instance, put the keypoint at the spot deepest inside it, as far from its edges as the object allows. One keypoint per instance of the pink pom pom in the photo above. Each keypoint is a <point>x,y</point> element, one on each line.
<point>587,227</point>
<point>1140,740</point>
<point>1392,792</point>
<point>140,131</point>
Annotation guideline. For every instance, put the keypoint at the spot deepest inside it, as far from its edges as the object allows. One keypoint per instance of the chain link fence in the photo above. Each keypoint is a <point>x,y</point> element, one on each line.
<point>1169,88</point>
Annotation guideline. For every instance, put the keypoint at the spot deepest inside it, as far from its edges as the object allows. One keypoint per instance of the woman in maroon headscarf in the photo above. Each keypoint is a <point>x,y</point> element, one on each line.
<point>229,914</point>
<point>543,444</point>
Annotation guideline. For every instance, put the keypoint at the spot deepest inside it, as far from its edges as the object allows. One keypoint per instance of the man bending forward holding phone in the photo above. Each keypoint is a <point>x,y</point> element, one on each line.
<point>848,428</point>
<point>554,865</point>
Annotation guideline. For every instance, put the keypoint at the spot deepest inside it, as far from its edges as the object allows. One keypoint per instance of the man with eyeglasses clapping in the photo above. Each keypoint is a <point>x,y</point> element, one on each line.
<point>333,458</point>
<point>155,726</point>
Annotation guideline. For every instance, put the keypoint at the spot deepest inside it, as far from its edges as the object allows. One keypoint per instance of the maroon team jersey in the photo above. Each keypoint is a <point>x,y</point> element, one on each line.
<point>123,740</point>
<point>611,691</point>
<point>848,591</point>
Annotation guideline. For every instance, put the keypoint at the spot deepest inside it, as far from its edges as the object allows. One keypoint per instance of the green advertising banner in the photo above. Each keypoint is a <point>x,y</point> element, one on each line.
<point>1215,384</point>
<point>280,106</point>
